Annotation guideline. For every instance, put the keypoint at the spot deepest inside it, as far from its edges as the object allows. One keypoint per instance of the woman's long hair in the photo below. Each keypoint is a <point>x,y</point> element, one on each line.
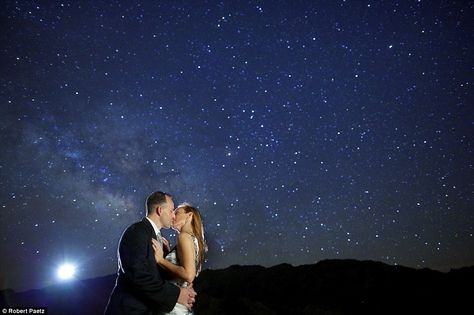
<point>198,230</point>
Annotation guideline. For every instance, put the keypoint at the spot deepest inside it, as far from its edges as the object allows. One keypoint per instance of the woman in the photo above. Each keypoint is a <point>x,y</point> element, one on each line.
<point>185,260</point>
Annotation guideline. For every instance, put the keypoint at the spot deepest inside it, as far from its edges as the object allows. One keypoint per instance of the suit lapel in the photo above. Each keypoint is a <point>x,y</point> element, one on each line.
<point>149,228</point>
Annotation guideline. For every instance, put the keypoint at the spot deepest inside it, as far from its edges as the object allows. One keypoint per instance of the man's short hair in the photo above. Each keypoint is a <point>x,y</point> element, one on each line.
<point>157,198</point>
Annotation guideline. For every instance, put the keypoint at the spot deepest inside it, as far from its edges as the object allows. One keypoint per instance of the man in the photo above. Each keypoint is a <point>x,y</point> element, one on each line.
<point>140,287</point>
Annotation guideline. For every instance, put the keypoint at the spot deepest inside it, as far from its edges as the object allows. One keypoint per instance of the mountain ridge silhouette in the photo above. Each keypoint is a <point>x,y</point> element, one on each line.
<point>333,286</point>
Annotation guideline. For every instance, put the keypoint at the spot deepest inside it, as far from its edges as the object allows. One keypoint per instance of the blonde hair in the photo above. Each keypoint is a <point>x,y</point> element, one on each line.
<point>198,231</point>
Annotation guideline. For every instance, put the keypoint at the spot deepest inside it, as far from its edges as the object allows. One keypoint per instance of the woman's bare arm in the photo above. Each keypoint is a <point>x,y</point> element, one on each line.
<point>187,270</point>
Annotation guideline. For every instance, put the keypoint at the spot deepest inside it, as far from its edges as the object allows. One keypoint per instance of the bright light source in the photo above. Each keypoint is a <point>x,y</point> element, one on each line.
<point>66,271</point>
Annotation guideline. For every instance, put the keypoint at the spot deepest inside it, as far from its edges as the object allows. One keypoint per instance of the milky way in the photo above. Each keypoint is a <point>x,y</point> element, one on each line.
<point>302,130</point>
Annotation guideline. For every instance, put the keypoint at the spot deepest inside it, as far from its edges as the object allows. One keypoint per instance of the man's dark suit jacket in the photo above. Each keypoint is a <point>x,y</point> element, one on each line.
<point>140,287</point>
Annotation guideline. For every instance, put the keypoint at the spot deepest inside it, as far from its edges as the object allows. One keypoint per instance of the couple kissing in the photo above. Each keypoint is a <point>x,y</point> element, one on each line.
<point>146,261</point>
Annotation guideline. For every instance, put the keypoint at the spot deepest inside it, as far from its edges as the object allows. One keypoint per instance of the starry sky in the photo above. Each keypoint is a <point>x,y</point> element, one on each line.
<point>302,130</point>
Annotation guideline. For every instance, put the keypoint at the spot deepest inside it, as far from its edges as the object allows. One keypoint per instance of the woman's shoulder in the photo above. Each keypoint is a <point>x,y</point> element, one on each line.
<point>186,236</point>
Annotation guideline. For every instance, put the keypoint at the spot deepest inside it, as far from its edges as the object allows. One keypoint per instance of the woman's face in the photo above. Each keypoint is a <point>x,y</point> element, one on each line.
<point>180,219</point>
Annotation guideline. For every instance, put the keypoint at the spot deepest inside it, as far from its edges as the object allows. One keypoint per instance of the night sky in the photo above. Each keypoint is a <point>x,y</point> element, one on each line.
<point>302,130</point>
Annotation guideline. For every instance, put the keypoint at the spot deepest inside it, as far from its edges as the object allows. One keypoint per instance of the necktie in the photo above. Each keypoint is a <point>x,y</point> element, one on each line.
<point>158,237</point>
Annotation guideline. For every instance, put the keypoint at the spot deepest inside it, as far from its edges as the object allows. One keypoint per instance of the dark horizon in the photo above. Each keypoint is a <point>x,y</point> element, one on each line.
<point>330,286</point>
<point>72,282</point>
<point>302,131</point>
<point>328,260</point>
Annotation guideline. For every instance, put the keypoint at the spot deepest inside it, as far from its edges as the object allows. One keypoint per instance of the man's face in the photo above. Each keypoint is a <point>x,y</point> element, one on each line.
<point>167,213</point>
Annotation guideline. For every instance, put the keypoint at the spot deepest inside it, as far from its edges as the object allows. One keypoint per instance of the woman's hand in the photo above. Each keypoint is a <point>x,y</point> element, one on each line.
<point>158,250</point>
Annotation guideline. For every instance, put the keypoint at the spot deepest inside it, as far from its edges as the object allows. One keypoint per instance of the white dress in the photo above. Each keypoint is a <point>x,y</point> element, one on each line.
<point>172,257</point>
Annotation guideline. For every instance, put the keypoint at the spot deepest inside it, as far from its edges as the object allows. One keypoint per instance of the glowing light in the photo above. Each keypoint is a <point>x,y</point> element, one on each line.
<point>66,271</point>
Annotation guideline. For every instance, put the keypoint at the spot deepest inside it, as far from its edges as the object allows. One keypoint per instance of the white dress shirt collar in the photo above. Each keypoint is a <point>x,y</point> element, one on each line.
<point>157,230</point>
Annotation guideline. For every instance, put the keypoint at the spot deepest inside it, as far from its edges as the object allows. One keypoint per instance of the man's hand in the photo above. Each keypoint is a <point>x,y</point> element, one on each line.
<point>187,296</point>
<point>158,250</point>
